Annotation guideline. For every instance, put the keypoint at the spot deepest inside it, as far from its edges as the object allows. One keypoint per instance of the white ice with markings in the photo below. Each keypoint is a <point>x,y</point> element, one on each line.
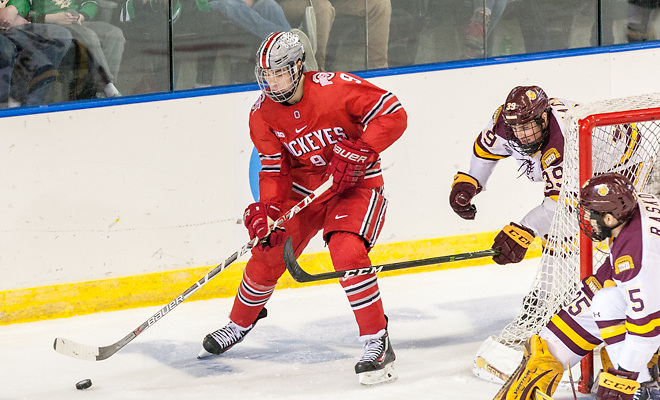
<point>305,349</point>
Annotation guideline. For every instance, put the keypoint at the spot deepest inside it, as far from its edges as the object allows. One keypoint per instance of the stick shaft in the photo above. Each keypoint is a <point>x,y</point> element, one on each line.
<point>94,353</point>
<point>301,275</point>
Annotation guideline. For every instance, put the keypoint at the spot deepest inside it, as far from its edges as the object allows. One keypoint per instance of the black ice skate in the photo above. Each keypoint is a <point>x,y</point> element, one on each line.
<point>225,338</point>
<point>377,364</point>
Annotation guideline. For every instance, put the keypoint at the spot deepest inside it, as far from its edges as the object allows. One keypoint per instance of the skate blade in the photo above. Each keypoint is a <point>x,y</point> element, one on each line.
<point>204,354</point>
<point>385,375</point>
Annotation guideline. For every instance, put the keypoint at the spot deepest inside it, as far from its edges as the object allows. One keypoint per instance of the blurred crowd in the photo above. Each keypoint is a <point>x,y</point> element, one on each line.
<point>64,50</point>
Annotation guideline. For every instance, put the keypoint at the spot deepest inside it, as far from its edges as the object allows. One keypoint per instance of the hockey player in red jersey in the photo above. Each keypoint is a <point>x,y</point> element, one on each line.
<point>618,305</point>
<point>529,127</point>
<point>306,126</point>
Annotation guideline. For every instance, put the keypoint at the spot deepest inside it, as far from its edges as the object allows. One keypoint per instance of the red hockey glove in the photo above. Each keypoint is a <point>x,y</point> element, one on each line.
<point>463,190</point>
<point>617,385</point>
<point>255,219</point>
<point>349,164</point>
<point>513,242</point>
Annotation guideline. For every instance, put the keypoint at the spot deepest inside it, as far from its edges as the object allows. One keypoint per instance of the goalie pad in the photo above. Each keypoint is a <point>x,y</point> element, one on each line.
<point>538,370</point>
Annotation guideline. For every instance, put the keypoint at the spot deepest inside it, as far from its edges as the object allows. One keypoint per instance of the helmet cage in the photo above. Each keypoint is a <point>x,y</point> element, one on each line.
<point>523,105</point>
<point>540,136</point>
<point>279,84</point>
<point>277,71</point>
<point>592,224</point>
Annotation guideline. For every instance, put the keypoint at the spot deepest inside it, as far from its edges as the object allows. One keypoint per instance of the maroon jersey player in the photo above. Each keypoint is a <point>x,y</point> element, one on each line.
<point>618,306</point>
<point>528,127</point>
<point>305,127</point>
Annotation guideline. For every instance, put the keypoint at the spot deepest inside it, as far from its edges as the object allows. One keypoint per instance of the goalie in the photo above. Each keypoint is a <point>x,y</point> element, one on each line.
<point>529,127</point>
<point>619,305</point>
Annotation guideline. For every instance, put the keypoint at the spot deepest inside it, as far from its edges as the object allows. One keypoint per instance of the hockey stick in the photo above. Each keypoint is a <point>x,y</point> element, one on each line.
<point>570,377</point>
<point>93,353</point>
<point>486,366</point>
<point>300,275</point>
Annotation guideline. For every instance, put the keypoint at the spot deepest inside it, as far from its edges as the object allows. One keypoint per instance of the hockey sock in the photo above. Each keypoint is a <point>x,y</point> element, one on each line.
<point>250,299</point>
<point>348,251</point>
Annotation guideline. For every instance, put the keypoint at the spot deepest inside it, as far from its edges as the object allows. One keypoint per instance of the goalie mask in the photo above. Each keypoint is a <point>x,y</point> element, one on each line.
<point>609,193</point>
<point>277,69</point>
<point>526,113</point>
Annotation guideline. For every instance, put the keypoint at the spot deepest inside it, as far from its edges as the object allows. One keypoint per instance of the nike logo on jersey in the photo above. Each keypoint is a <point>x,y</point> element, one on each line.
<point>340,216</point>
<point>301,129</point>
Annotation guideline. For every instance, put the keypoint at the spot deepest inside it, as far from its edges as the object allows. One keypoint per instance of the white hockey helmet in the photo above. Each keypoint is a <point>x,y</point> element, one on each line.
<point>277,70</point>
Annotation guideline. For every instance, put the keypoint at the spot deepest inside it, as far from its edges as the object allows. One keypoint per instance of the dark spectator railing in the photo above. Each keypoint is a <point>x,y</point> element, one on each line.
<point>54,51</point>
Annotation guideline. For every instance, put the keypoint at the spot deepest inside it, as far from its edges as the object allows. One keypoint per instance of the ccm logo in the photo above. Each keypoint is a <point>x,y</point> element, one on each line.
<point>350,156</point>
<point>515,235</point>
<point>621,387</point>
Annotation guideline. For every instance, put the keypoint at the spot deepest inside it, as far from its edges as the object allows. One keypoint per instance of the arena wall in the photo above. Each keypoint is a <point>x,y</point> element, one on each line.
<point>128,205</point>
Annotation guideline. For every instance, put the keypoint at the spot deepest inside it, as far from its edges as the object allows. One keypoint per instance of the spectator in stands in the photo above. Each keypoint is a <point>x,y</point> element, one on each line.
<point>318,29</point>
<point>639,13</point>
<point>481,26</point>
<point>261,17</point>
<point>30,55</point>
<point>547,25</point>
<point>104,42</point>
<point>378,14</point>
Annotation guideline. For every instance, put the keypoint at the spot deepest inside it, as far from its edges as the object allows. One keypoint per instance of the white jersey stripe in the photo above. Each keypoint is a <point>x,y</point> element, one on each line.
<point>376,109</point>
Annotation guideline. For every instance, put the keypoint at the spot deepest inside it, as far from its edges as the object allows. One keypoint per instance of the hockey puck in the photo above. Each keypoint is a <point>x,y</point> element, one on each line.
<point>84,384</point>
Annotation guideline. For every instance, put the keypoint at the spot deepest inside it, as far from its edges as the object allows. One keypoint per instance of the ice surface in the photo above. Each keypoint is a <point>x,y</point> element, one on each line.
<point>305,349</point>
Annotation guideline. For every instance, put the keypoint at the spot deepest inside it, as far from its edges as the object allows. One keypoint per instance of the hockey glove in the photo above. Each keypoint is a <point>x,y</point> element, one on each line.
<point>349,164</point>
<point>463,190</point>
<point>513,242</point>
<point>617,385</point>
<point>256,220</point>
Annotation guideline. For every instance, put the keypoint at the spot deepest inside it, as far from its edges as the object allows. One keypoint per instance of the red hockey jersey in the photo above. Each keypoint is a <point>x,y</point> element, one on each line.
<point>295,142</point>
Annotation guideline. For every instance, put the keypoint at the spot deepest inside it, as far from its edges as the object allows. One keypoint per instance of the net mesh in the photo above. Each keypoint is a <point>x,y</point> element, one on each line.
<point>630,148</point>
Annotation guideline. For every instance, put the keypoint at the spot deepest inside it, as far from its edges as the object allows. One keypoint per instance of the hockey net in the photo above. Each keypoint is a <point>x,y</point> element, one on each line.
<point>619,135</point>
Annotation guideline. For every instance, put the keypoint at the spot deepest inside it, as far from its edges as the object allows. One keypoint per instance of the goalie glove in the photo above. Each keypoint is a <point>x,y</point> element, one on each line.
<point>257,221</point>
<point>349,164</point>
<point>463,189</point>
<point>513,242</point>
<point>538,374</point>
<point>617,385</point>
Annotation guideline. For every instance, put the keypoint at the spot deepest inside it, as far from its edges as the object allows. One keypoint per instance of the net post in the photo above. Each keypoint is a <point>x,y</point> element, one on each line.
<point>585,150</point>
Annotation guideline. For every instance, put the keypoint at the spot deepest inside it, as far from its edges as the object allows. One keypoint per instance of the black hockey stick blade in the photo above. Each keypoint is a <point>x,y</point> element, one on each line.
<point>300,275</point>
<point>95,353</point>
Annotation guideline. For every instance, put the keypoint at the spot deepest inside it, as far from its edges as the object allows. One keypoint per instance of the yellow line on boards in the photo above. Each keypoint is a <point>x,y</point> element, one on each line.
<point>158,288</point>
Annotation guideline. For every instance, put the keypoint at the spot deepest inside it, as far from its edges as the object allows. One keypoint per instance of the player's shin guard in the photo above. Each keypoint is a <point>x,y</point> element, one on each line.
<point>538,370</point>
